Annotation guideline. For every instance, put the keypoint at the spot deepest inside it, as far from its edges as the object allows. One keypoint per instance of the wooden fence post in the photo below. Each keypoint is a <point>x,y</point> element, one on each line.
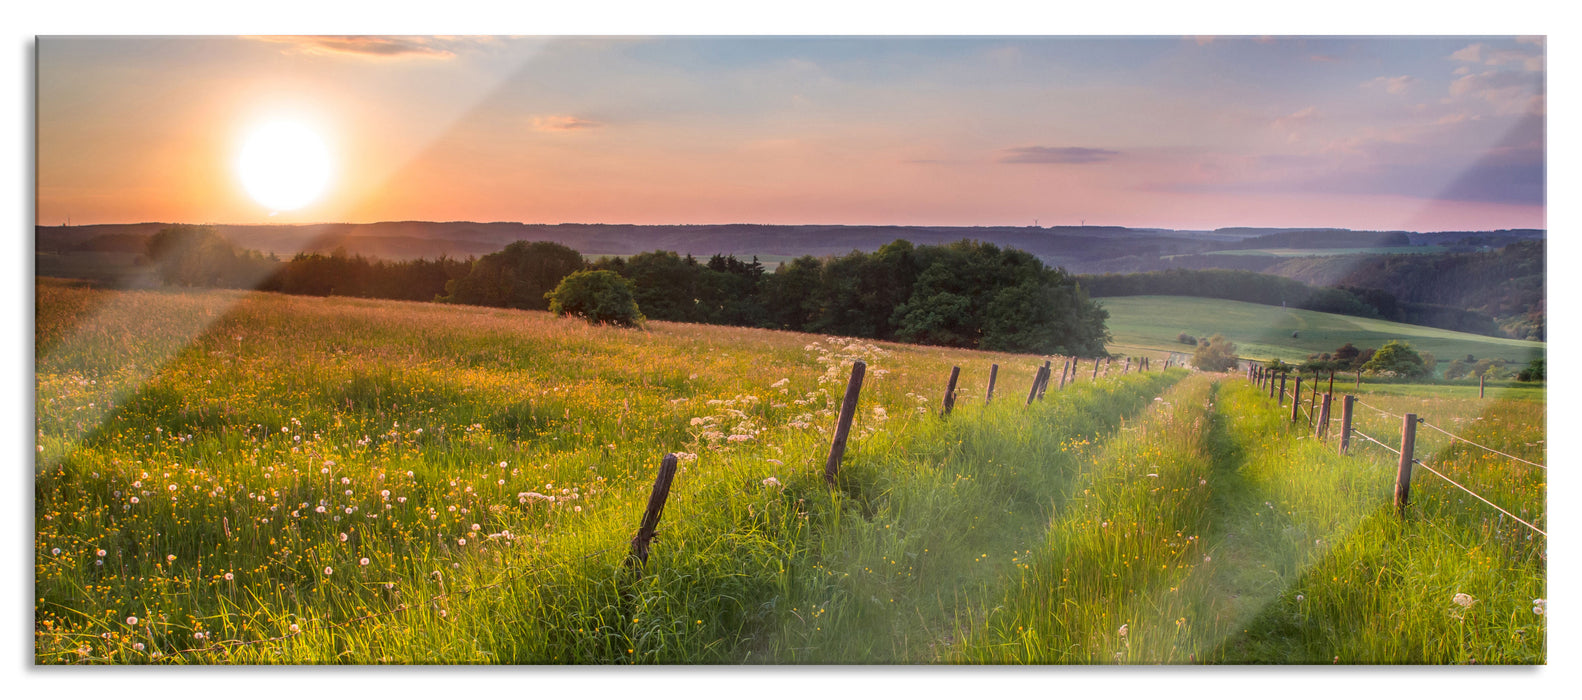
<point>1296,399</point>
<point>1323,419</point>
<point>1312,404</point>
<point>1280,401</point>
<point>1345,423</point>
<point>1128,368</point>
<point>1043,384</point>
<point>1403,471</point>
<point>1480,386</point>
<point>950,392</point>
<point>848,407</point>
<point>994,373</point>
<point>656,506</point>
<point>1271,384</point>
<point>1064,369</point>
<point>1032,391</point>
<point>1359,379</point>
<point>1095,369</point>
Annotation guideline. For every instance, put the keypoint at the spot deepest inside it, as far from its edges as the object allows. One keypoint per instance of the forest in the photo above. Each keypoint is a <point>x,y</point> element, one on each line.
<point>964,294</point>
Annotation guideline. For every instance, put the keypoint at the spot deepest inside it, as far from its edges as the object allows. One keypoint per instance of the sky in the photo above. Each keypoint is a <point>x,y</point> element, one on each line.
<point>1418,133</point>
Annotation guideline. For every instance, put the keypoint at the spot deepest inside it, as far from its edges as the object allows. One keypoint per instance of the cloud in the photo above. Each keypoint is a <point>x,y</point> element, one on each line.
<point>1510,93</point>
<point>563,122</point>
<point>1294,123</point>
<point>1075,155</point>
<point>1528,59</point>
<point>377,47</point>
<point>1395,86</point>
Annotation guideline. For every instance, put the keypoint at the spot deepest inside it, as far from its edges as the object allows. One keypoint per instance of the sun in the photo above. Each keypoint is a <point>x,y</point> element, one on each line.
<point>284,165</point>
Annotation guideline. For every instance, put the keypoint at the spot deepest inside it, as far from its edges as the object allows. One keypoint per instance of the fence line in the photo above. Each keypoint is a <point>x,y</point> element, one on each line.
<point>1376,408</point>
<point>1469,442</point>
<point>1475,495</point>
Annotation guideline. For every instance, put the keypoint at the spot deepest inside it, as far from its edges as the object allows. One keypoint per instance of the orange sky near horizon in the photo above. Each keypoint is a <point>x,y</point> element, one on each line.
<point>1416,134</point>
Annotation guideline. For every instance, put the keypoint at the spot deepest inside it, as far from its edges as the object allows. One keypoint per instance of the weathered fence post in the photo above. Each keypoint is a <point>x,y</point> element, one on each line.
<point>1480,386</point>
<point>1345,423</point>
<point>1359,379</point>
<point>1331,388</point>
<point>1272,387</point>
<point>994,373</point>
<point>848,407</point>
<point>1296,399</point>
<point>1281,400</point>
<point>1064,369</point>
<point>656,506</point>
<point>1095,369</point>
<point>1128,368</point>
<point>1403,472</point>
<point>1043,384</point>
<point>1312,404</point>
<point>1323,419</point>
<point>1032,391</point>
<point>950,392</point>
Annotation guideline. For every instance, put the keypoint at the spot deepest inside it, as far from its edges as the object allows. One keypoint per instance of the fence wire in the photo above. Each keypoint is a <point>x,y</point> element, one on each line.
<point>1453,436</point>
<point>1475,495</point>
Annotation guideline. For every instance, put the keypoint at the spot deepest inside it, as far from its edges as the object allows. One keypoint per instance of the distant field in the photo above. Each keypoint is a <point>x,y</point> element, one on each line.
<point>1264,332</point>
<point>1313,252</point>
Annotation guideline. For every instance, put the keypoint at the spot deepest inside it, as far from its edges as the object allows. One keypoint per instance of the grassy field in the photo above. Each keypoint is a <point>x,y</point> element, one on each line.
<point>1264,332</point>
<point>227,477</point>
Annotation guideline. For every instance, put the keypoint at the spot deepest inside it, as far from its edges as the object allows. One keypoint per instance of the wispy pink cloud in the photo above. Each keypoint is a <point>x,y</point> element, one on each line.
<point>1072,155</point>
<point>563,122</point>
<point>1395,86</point>
<point>376,47</point>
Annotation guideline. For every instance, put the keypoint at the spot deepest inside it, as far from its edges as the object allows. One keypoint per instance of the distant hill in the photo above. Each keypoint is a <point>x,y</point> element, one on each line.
<point>1076,248</point>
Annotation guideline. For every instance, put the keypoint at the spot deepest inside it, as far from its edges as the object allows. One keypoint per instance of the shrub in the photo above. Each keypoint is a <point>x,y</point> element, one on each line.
<point>1215,355</point>
<point>1396,359</point>
<point>596,296</point>
<point>1185,339</point>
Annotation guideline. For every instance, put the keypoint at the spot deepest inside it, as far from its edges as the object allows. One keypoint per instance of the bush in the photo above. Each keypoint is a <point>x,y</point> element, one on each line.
<point>1215,355</point>
<point>596,296</point>
<point>1534,372</point>
<point>1396,359</point>
<point>1185,339</point>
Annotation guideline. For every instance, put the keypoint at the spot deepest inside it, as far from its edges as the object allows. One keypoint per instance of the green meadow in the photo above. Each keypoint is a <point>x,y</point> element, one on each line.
<point>1266,332</point>
<point>247,478</point>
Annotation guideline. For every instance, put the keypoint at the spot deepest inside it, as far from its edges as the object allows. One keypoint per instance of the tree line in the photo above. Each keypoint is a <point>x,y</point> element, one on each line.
<point>962,294</point>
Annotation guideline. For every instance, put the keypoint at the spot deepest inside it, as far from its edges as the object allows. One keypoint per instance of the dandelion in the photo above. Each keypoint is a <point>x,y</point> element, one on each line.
<point>363,561</point>
<point>294,628</point>
<point>137,647</point>
<point>1463,600</point>
<point>230,576</point>
<point>476,527</point>
<point>170,557</point>
<point>200,635</point>
<point>1300,597</point>
<point>55,551</point>
<point>131,621</point>
<point>328,571</point>
<point>461,541</point>
<point>385,494</point>
<point>134,499</point>
<point>344,537</point>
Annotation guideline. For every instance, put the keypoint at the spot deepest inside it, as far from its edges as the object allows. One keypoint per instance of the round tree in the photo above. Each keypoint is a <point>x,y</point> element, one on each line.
<point>1218,354</point>
<point>1396,359</point>
<point>596,296</point>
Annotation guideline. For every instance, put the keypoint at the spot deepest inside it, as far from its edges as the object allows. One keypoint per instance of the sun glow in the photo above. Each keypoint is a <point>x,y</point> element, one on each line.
<point>284,165</point>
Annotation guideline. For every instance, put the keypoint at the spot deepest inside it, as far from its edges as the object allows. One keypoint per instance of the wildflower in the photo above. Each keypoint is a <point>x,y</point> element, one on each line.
<point>199,635</point>
<point>344,537</point>
<point>55,551</point>
<point>230,576</point>
<point>476,527</point>
<point>294,628</point>
<point>1300,597</point>
<point>462,541</point>
<point>134,499</point>
<point>363,561</point>
<point>319,509</point>
<point>385,494</point>
<point>1122,631</point>
<point>771,481</point>
<point>1463,600</point>
<point>131,621</point>
<point>170,557</point>
<point>328,571</point>
<point>137,647</point>
<point>1539,605</point>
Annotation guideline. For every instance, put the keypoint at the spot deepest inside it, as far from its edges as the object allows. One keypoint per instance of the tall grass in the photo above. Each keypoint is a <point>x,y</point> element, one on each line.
<point>1220,533</point>
<point>250,478</point>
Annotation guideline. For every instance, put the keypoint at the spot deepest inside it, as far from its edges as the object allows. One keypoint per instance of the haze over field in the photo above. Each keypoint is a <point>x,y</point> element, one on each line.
<point>1424,133</point>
